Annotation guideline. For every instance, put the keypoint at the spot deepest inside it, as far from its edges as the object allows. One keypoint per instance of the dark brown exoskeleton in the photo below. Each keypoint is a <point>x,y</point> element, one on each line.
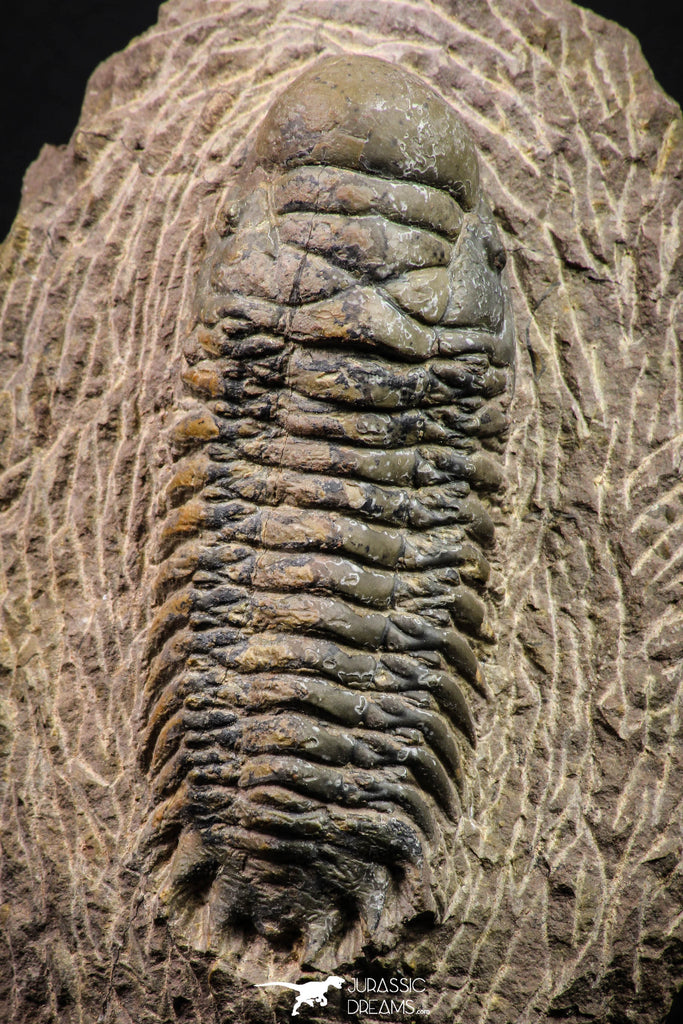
<point>312,665</point>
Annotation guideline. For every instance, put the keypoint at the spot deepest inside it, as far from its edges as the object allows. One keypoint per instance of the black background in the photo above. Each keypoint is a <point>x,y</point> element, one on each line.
<point>49,49</point>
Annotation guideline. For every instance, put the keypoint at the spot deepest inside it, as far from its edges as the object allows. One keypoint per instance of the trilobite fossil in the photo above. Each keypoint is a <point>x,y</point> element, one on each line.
<point>313,675</point>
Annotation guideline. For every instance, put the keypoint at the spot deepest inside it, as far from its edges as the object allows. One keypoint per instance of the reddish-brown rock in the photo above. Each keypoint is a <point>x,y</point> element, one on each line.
<point>570,893</point>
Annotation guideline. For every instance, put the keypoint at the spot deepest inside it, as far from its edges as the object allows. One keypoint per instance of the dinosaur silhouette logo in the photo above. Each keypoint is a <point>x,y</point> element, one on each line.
<point>309,993</point>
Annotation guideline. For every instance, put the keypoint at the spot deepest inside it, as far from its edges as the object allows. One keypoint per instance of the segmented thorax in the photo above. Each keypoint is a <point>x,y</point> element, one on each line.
<point>322,575</point>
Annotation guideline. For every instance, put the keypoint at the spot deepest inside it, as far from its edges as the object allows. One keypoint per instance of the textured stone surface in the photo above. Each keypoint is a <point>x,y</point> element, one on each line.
<point>570,893</point>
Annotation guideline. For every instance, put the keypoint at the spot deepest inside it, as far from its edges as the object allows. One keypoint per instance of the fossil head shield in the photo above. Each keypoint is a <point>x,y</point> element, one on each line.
<point>314,667</point>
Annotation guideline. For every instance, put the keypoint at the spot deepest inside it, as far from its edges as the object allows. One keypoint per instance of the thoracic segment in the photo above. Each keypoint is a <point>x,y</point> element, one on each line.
<point>322,577</point>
